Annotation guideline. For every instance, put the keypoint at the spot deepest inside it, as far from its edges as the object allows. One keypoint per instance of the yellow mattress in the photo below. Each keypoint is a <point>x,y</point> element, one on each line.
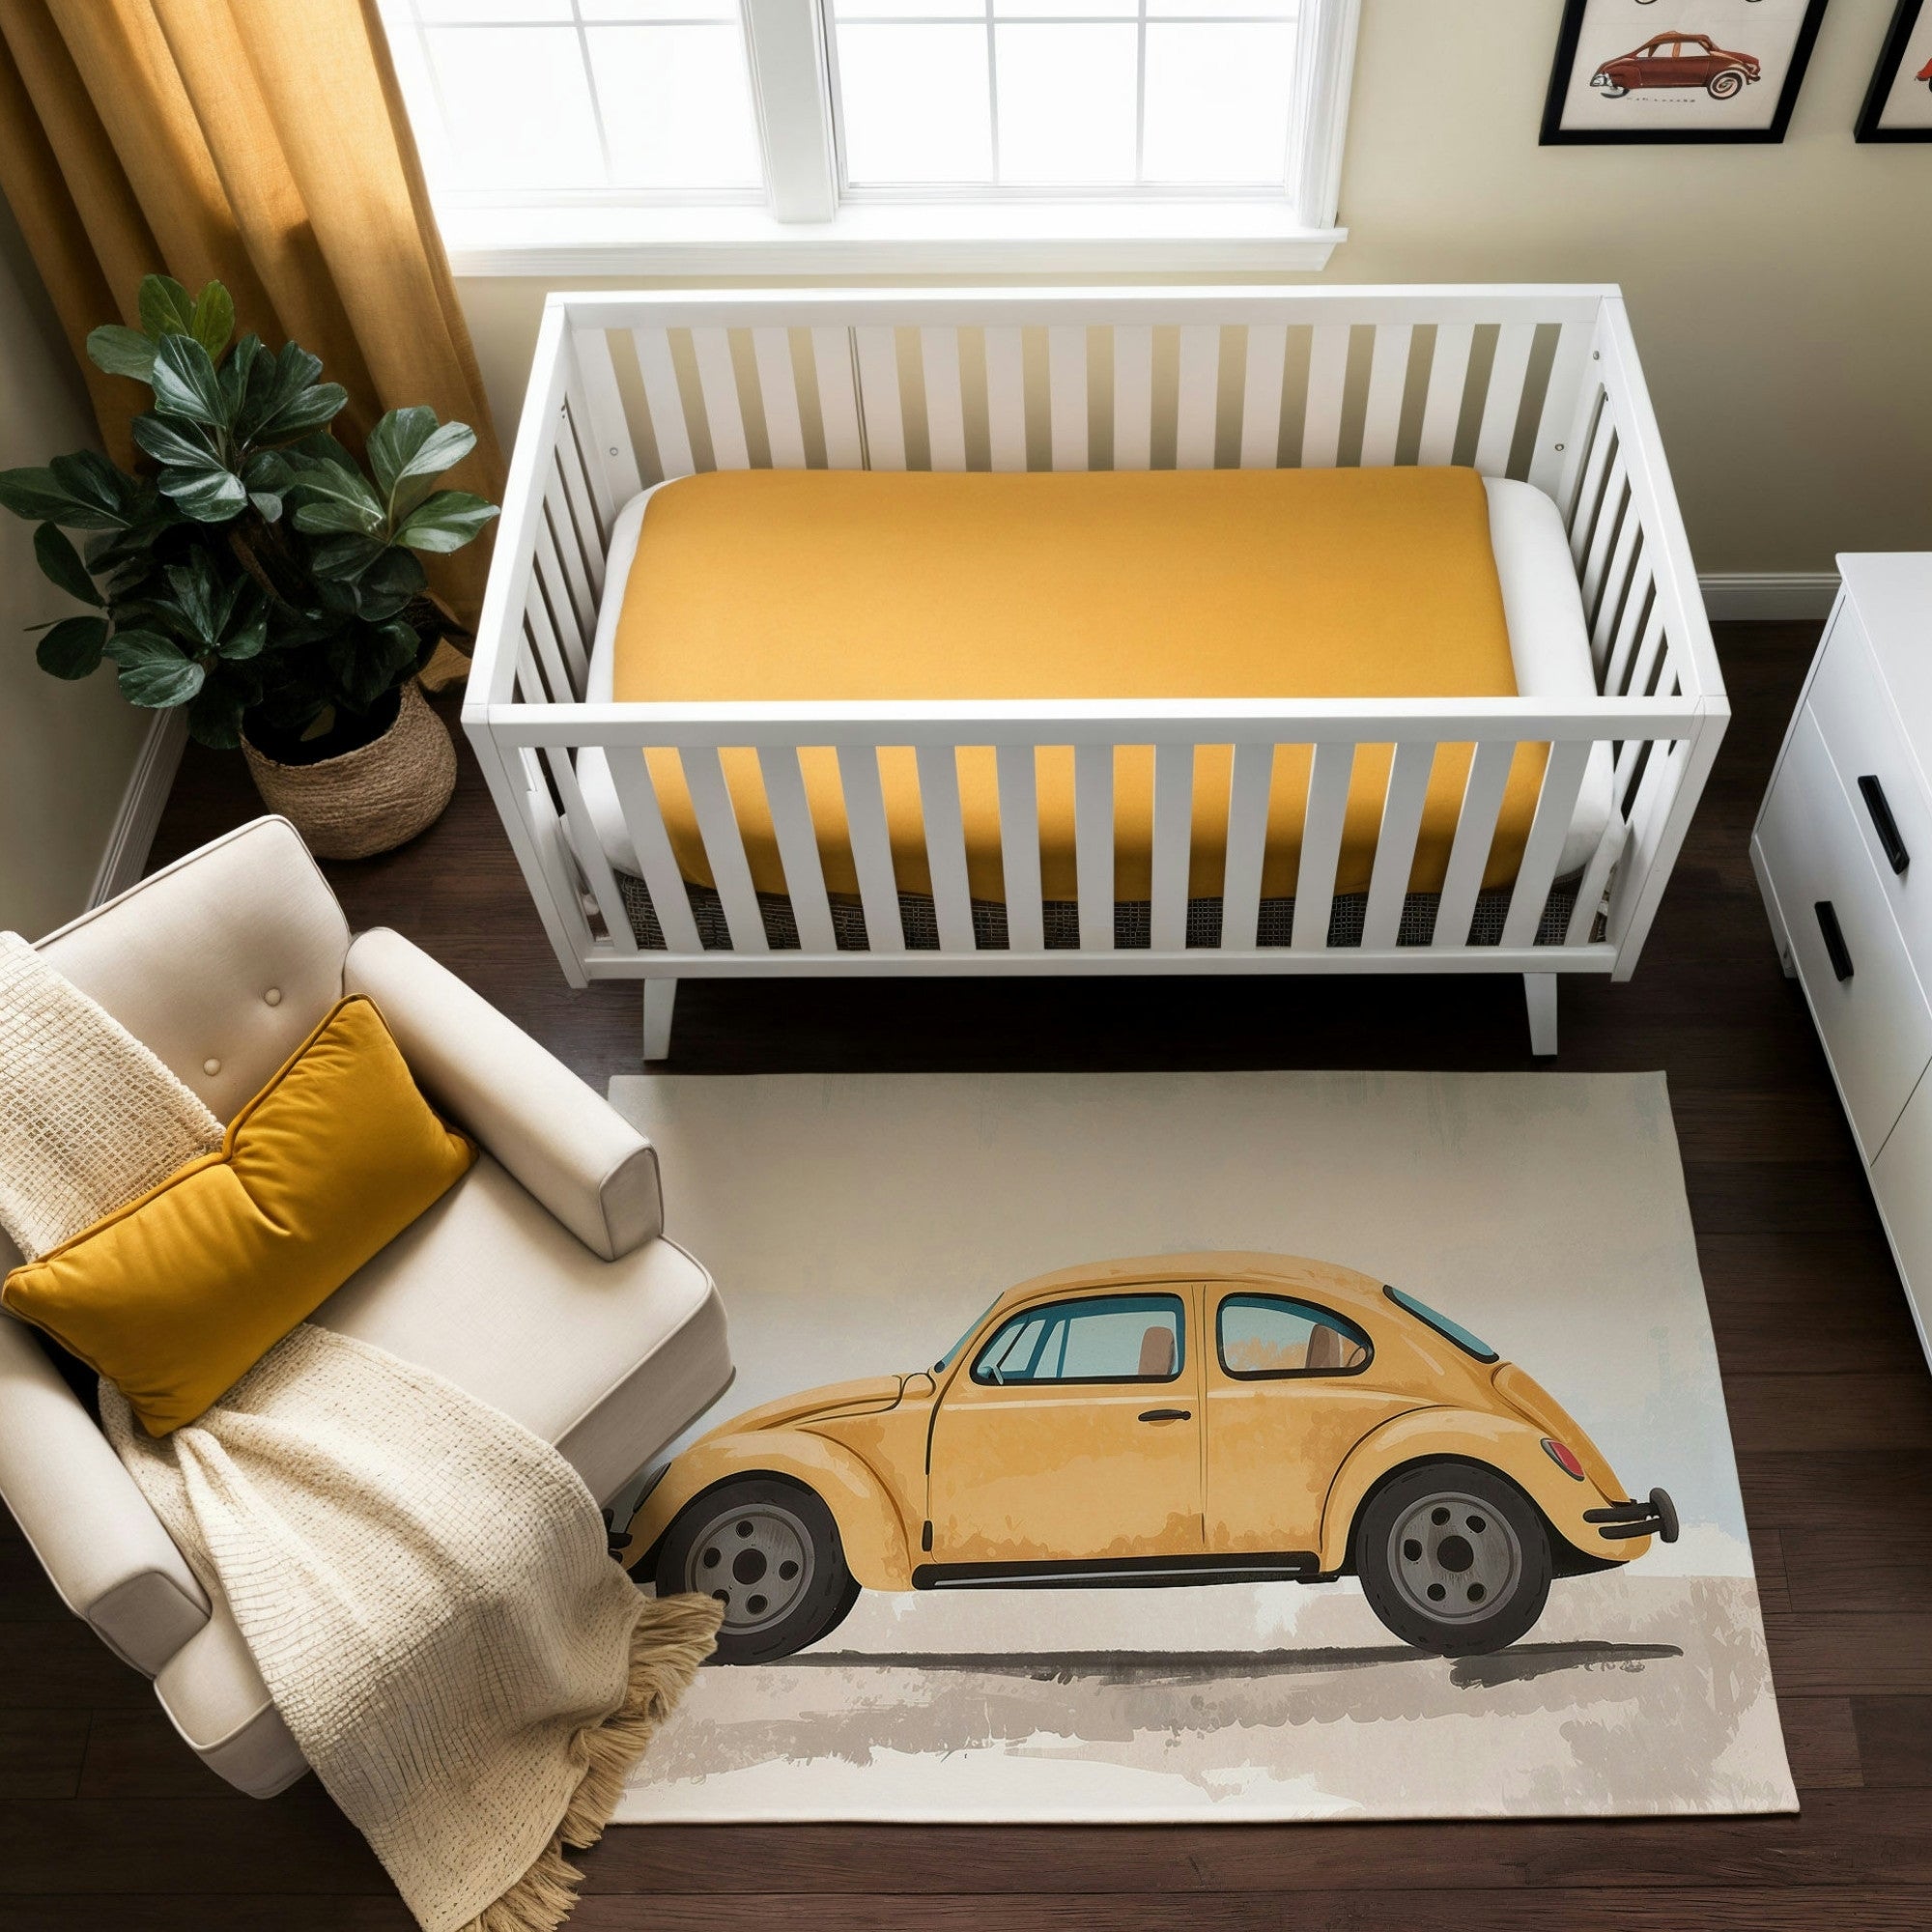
<point>751,585</point>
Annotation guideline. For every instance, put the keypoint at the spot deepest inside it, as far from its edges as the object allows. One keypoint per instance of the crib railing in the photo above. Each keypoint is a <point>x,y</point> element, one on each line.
<point>1538,383</point>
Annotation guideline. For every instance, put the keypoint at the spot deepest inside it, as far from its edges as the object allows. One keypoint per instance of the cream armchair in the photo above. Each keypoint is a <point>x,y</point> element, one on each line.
<point>542,1282</point>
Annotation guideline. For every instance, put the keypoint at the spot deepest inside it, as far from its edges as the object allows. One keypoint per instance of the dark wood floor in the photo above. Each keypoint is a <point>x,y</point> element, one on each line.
<point>106,1818</point>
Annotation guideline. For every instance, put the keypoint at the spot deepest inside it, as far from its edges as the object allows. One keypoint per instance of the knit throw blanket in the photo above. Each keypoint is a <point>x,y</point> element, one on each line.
<point>425,1586</point>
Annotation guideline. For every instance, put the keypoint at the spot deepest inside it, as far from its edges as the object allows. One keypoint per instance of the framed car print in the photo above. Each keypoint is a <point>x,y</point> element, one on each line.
<point>1898,104</point>
<point>1655,71</point>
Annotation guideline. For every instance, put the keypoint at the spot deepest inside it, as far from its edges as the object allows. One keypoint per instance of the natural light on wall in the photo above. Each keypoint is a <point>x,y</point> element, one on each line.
<point>793,121</point>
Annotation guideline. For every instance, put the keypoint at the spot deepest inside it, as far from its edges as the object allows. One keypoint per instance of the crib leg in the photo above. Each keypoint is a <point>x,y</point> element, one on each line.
<point>660,996</point>
<point>1539,990</point>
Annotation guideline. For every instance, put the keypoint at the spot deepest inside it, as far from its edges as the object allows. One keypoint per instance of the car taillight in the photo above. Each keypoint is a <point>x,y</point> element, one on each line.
<point>1562,1457</point>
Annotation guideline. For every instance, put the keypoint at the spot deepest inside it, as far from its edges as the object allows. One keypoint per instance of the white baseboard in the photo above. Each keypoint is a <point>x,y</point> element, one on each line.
<point>1767,596</point>
<point>126,857</point>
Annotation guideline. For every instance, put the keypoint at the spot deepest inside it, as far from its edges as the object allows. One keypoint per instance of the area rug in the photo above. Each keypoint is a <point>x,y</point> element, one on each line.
<point>856,1224</point>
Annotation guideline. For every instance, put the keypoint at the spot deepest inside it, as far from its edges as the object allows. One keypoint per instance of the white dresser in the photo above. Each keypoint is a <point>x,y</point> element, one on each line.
<point>1843,854</point>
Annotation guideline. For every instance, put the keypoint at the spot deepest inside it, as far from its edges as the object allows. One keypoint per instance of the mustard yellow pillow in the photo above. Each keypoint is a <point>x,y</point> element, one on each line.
<point>177,1294</point>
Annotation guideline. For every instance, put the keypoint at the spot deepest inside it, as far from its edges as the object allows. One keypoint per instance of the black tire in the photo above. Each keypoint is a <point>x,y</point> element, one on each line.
<point>1722,86</point>
<point>769,1549</point>
<point>1614,92</point>
<point>1453,1559</point>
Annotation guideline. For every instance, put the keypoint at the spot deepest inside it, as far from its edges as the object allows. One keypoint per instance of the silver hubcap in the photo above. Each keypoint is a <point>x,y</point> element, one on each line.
<point>757,1561</point>
<point>1454,1558</point>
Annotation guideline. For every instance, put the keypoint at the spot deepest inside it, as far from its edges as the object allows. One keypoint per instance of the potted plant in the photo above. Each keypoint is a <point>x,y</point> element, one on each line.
<point>256,574</point>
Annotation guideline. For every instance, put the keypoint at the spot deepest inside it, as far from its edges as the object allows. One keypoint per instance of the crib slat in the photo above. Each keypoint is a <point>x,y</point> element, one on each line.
<point>1548,463</point>
<point>837,399</point>
<point>1597,561</point>
<point>1644,671</point>
<point>1590,490</point>
<point>1173,834</point>
<point>638,801</point>
<point>1555,808</point>
<point>572,620</point>
<point>1395,843</point>
<point>1500,408</point>
<point>534,685</point>
<point>798,847</point>
<point>945,846</point>
<point>1583,914</point>
<point>572,549</point>
<point>1321,845</point>
<point>718,382</point>
<point>1094,844</point>
<point>1261,395</point>
<point>590,850</point>
<point>723,846</point>
<point>1618,581</point>
<point>945,411</point>
<point>1475,833</point>
<point>1249,777</point>
<point>597,409</point>
<point>1448,377</point>
<point>1005,399</point>
<point>778,390</point>
<point>1639,608</point>
<point>663,402</point>
<point>1066,391</point>
<point>879,398</point>
<point>549,653</point>
<point>1389,377</point>
<point>1133,397</point>
<point>1327,379</point>
<point>584,517</point>
<point>1199,382</point>
<point>1019,849</point>
<point>871,847</point>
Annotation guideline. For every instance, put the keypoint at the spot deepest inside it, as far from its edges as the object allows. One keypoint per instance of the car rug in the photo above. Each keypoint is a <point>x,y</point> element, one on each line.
<point>1144,1448</point>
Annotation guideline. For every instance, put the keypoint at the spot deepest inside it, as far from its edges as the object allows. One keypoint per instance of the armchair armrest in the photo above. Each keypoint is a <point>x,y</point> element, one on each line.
<point>102,1547</point>
<point>572,1151</point>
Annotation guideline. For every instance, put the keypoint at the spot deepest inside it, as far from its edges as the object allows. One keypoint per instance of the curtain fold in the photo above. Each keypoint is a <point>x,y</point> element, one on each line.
<point>263,143</point>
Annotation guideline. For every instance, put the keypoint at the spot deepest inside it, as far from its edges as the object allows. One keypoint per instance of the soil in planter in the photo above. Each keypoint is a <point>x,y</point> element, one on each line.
<point>349,732</point>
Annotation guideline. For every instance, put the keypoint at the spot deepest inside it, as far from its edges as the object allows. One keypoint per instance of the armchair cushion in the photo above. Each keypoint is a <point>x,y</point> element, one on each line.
<point>561,1139</point>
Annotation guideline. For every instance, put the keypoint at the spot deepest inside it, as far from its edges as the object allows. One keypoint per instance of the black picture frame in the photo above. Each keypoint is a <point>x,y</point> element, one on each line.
<point>1898,39</point>
<point>1555,136</point>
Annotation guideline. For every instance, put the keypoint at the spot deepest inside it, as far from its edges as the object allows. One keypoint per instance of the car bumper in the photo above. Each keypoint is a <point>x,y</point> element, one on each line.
<point>1624,1522</point>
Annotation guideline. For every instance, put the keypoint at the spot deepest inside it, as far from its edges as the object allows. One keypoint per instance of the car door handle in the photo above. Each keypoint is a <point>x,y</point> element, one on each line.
<point>1167,1415</point>
<point>1835,939</point>
<point>1884,824</point>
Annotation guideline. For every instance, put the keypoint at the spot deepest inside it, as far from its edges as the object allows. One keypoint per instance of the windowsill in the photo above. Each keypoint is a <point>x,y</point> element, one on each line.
<point>881,238</point>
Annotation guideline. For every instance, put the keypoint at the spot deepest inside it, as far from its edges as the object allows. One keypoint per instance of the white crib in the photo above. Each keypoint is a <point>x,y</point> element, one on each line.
<point>1532,382</point>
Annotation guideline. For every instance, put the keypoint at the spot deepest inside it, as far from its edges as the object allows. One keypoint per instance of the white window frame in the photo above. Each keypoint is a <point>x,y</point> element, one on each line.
<point>805,224</point>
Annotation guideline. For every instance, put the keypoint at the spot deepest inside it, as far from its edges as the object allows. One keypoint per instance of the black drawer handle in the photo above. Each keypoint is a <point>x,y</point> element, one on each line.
<point>1885,825</point>
<point>1835,939</point>
<point>1166,1414</point>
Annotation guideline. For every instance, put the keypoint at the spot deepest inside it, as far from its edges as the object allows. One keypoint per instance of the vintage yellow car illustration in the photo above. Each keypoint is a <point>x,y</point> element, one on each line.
<point>1178,1419</point>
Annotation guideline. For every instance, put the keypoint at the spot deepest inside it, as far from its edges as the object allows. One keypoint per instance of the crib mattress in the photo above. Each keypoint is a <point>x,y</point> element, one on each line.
<point>773,585</point>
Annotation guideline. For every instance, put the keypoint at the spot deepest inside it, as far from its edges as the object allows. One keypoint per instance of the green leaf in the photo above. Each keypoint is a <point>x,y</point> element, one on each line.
<point>88,477</point>
<point>71,648</point>
<point>344,558</point>
<point>60,563</point>
<point>248,641</point>
<point>154,672</point>
<point>285,401</point>
<point>187,383</point>
<point>212,321</point>
<point>39,495</point>
<point>166,307</point>
<point>236,373</point>
<point>121,351</point>
<point>171,445</point>
<point>210,496</point>
<point>445,521</point>
<point>406,449</point>
<point>369,658</point>
<point>331,499</point>
<point>195,593</point>
<point>215,716</point>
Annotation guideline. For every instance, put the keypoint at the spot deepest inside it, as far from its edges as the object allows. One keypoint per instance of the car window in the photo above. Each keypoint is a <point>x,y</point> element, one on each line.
<point>1266,1336</point>
<point>1111,1338</point>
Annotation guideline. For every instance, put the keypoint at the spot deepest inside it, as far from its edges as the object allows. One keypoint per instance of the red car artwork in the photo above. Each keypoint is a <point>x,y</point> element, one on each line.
<point>1926,73</point>
<point>1677,60</point>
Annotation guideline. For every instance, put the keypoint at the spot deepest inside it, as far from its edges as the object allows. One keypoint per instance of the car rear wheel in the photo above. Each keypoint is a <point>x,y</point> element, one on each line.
<point>768,1550</point>
<point>1614,92</point>
<point>1721,86</point>
<point>1453,1559</point>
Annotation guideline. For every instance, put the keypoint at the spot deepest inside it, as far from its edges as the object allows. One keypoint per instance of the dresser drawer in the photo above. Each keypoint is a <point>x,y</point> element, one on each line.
<point>1855,714</point>
<point>1876,1025</point>
<point>1901,1178</point>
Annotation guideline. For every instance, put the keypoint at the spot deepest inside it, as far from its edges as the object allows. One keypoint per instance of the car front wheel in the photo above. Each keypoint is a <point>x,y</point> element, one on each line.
<point>1453,1559</point>
<point>768,1550</point>
<point>1612,92</point>
<point>1721,86</point>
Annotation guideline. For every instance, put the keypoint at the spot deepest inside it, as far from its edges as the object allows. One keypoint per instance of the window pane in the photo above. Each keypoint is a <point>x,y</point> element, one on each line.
<point>636,11</point>
<point>914,104</point>
<point>435,12</point>
<point>517,107</point>
<point>677,107</point>
<point>1260,1335</point>
<point>1121,1338</point>
<point>1066,104</point>
<point>1218,102</point>
<point>907,9</point>
<point>1061,9</point>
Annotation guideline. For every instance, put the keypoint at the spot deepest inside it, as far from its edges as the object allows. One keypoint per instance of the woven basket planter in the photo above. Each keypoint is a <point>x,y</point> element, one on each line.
<point>369,800</point>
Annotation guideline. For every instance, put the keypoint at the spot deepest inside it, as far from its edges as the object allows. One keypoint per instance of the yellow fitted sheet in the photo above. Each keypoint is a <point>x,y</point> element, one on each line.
<point>767,586</point>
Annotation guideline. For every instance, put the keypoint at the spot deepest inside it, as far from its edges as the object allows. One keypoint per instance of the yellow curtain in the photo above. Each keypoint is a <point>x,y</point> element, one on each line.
<point>263,143</point>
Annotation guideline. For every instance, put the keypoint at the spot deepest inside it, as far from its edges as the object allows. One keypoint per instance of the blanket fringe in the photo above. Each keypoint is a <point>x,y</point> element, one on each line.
<point>673,1638</point>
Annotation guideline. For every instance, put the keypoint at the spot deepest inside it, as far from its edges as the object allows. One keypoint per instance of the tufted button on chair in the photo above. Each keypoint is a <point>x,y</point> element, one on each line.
<point>542,1282</point>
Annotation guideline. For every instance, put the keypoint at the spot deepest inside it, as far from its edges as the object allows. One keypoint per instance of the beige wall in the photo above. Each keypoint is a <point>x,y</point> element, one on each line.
<point>66,750</point>
<point>1781,296</point>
